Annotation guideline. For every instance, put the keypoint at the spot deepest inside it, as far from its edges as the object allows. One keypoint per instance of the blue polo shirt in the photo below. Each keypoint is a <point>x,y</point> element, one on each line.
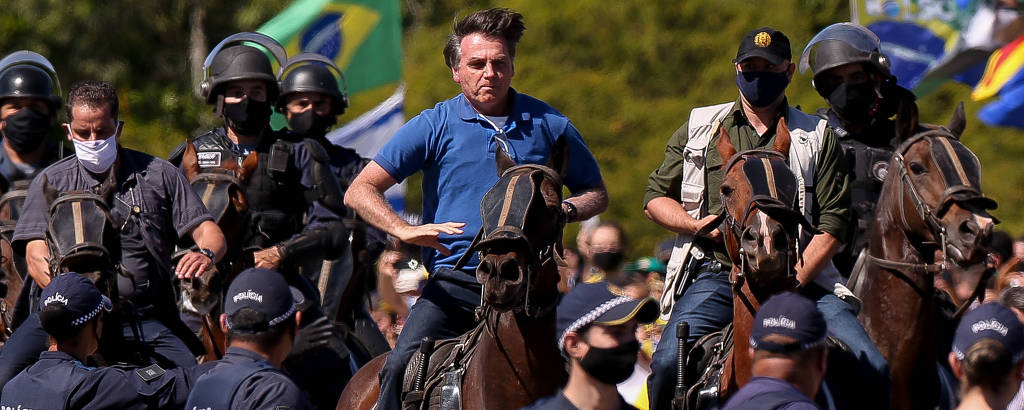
<point>454,146</point>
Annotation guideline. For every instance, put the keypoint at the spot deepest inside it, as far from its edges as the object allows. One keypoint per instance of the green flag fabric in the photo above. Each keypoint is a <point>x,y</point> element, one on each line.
<point>363,37</point>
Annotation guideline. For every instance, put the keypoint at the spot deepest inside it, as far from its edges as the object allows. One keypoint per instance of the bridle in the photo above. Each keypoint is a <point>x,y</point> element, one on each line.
<point>509,228</point>
<point>959,187</point>
<point>959,190</point>
<point>774,192</point>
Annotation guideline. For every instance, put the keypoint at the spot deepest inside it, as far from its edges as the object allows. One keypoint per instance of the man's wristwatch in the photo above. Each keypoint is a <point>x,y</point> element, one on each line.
<point>208,253</point>
<point>571,213</point>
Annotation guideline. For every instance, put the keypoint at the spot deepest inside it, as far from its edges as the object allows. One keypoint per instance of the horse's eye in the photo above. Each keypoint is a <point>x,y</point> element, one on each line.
<point>917,168</point>
<point>726,190</point>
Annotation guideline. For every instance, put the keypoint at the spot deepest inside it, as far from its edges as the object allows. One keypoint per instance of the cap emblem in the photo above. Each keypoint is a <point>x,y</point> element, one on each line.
<point>779,321</point>
<point>56,298</point>
<point>248,295</point>
<point>992,324</point>
<point>763,39</point>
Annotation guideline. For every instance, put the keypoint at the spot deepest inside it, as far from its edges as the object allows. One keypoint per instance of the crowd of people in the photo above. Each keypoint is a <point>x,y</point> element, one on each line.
<point>320,275</point>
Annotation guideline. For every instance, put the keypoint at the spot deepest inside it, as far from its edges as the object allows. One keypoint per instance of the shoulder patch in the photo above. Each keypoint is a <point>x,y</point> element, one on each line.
<point>209,159</point>
<point>150,373</point>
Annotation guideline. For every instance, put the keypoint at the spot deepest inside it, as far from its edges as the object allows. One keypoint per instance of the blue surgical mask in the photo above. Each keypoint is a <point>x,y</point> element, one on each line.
<point>761,88</point>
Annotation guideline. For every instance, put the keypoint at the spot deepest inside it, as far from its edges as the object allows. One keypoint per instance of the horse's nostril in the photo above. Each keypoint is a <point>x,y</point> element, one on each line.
<point>969,228</point>
<point>509,270</point>
<point>486,268</point>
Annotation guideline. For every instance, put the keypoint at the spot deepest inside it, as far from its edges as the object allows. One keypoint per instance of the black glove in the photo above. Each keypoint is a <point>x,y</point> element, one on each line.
<point>312,336</point>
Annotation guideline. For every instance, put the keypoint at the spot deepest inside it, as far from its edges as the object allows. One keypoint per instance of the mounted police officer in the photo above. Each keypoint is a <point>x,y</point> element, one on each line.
<point>261,319</point>
<point>311,100</point>
<point>29,102</point>
<point>454,144</point>
<point>292,189</point>
<point>853,76</point>
<point>72,314</point>
<point>154,207</point>
<point>682,197</point>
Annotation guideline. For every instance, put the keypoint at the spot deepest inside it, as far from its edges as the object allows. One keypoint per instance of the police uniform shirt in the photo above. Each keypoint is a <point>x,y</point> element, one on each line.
<point>262,390</point>
<point>560,402</point>
<point>11,172</point>
<point>59,381</point>
<point>769,393</point>
<point>153,205</point>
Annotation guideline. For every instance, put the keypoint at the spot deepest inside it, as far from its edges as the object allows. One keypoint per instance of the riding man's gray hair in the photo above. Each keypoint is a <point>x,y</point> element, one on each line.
<point>497,22</point>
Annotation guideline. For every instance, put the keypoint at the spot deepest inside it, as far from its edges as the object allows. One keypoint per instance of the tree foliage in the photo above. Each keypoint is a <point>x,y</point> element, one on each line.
<point>626,72</point>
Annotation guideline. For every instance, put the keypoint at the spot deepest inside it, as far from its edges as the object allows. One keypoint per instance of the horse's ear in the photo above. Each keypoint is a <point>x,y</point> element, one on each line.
<point>108,187</point>
<point>248,166</point>
<point>906,118</point>
<point>504,162</point>
<point>958,123</point>
<point>190,161</point>
<point>238,201</point>
<point>782,138</point>
<point>49,193</point>
<point>559,160</point>
<point>725,148</point>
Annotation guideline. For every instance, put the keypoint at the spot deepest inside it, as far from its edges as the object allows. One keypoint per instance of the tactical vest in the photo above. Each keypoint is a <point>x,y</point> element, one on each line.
<point>277,199</point>
<point>868,169</point>
<point>50,389</point>
<point>806,132</point>
<point>215,389</point>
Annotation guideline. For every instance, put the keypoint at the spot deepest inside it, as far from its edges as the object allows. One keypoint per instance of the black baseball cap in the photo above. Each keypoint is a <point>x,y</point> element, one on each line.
<point>264,291</point>
<point>990,321</point>
<point>791,315</point>
<point>767,43</point>
<point>601,303</point>
<point>78,295</point>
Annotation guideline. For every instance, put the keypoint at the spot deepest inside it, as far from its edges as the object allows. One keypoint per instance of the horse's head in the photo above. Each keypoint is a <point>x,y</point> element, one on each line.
<point>219,186</point>
<point>82,236</point>
<point>936,181</point>
<point>762,216</point>
<point>11,204</point>
<point>521,234</point>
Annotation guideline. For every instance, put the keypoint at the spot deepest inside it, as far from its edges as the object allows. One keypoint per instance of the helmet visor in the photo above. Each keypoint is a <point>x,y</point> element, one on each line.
<point>265,42</point>
<point>858,38</point>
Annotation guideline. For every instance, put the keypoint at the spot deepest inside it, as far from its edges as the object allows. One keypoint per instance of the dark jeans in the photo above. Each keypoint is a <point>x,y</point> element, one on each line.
<point>707,307</point>
<point>445,310</point>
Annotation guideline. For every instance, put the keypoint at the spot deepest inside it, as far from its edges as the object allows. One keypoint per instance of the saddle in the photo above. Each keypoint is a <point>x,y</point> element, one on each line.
<point>446,365</point>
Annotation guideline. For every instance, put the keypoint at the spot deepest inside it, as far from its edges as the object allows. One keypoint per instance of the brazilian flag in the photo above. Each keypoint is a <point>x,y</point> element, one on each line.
<point>363,37</point>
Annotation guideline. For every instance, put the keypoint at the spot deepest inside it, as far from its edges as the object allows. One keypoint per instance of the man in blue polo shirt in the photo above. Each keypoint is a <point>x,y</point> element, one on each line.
<point>454,144</point>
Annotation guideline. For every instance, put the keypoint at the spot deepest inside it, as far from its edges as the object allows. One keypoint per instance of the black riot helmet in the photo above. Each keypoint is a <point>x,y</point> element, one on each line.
<point>233,59</point>
<point>311,72</point>
<point>28,74</point>
<point>840,44</point>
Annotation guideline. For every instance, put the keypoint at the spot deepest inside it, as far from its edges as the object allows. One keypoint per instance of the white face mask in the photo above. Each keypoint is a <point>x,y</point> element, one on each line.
<point>98,155</point>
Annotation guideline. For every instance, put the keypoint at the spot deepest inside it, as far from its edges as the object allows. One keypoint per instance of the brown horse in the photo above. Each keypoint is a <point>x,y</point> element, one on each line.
<point>220,189</point>
<point>14,266</point>
<point>931,203</point>
<point>762,220</point>
<point>511,358</point>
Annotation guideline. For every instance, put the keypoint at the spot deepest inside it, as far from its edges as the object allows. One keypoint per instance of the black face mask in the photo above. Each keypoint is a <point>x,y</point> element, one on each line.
<point>855,103</point>
<point>761,88</point>
<point>310,124</point>
<point>607,261</point>
<point>248,117</point>
<point>26,130</point>
<point>611,365</point>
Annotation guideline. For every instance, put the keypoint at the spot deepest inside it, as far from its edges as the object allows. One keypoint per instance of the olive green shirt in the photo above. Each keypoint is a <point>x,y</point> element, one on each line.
<point>829,209</point>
